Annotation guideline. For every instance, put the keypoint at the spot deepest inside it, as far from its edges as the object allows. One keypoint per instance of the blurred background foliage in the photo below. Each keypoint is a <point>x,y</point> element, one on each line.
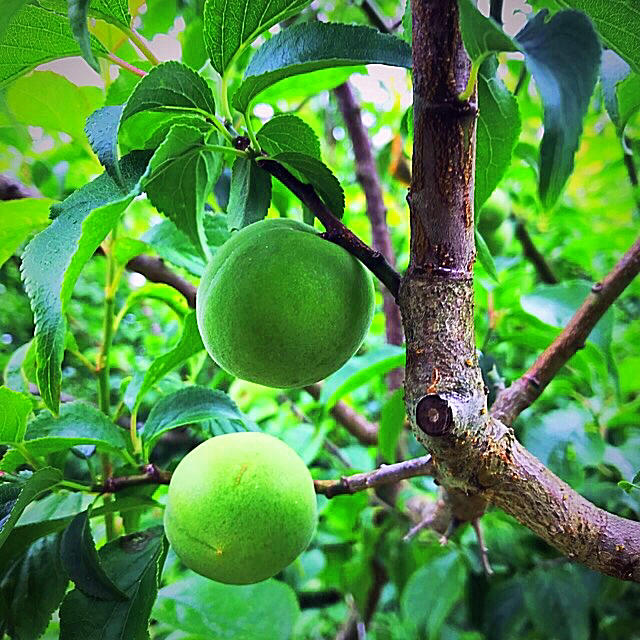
<point>584,427</point>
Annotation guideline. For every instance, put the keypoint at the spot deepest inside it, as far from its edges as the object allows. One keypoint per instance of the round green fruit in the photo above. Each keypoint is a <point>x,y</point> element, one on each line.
<point>241,507</point>
<point>281,306</point>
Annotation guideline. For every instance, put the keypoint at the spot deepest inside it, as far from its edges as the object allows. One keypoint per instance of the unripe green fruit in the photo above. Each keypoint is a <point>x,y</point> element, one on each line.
<point>281,306</point>
<point>241,507</point>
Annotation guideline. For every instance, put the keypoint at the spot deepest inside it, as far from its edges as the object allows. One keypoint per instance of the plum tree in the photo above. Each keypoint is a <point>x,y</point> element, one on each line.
<point>281,306</point>
<point>241,507</point>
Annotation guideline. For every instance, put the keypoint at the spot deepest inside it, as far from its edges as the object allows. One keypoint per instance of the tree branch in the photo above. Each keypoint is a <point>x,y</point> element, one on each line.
<point>151,475</point>
<point>335,230</point>
<point>367,176</point>
<point>473,453</point>
<point>155,270</point>
<point>532,254</point>
<point>357,425</point>
<point>524,391</point>
<point>386,474</point>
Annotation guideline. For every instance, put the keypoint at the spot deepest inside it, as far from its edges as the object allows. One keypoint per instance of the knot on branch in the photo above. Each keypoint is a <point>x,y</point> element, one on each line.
<point>433,415</point>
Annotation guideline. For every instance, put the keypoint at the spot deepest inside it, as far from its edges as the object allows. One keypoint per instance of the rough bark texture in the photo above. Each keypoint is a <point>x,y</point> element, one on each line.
<point>526,489</point>
<point>436,294</point>
<point>475,456</point>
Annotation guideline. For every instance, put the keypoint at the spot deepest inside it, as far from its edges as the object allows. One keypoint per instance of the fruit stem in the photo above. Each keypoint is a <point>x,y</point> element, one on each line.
<point>250,132</point>
<point>141,45</point>
<point>125,65</point>
<point>102,362</point>
<point>133,432</point>
<point>224,96</point>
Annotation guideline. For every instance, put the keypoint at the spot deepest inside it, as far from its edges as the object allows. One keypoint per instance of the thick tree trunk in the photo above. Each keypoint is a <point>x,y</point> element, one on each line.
<point>474,454</point>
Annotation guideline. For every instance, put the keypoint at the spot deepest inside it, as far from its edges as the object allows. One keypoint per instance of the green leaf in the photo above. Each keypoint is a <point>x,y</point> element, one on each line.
<point>497,132</point>
<point>563,56</point>
<point>102,131</point>
<point>25,492</point>
<point>14,376</point>
<point>156,291</point>
<point>313,46</point>
<point>82,563</point>
<point>317,174</point>
<point>53,260</point>
<point>621,89</point>
<point>30,100</point>
<point>10,8</point>
<point>407,24</point>
<point>189,344</point>
<point>618,23</point>
<point>392,416</point>
<point>182,174</point>
<point>484,257</point>
<point>170,243</point>
<point>171,86</point>
<point>287,132</point>
<point>53,513</point>
<point>551,434</point>
<point>20,220</point>
<point>78,10</point>
<point>250,194</point>
<point>559,592</point>
<point>114,11</point>
<point>34,36</point>
<point>14,409</point>
<point>267,610</point>
<point>627,487</point>
<point>359,371</point>
<point>555,305</point>
<point>134,563</point>
<point>428,607</point>
<point>297,88</point>
<point>33,588</point>
<point>231,25</point>
<point>193,405</point>
<point>128,248</point>
<point>481,35</point>
<point>78,423</point>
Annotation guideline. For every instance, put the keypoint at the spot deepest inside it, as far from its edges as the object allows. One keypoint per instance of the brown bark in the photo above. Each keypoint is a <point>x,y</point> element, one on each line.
<point>532,254</point>
<point>475,455</point>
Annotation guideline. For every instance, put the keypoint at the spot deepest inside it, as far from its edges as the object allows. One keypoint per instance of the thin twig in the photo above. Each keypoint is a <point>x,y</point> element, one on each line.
<point>531,252</point>
<point>524,391</point>
<point>336,231</point>
<point>125,65</point>
<point>484,551</point>
<point>155,270</point>
<point>151,475</point>
<point>386,474</point>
